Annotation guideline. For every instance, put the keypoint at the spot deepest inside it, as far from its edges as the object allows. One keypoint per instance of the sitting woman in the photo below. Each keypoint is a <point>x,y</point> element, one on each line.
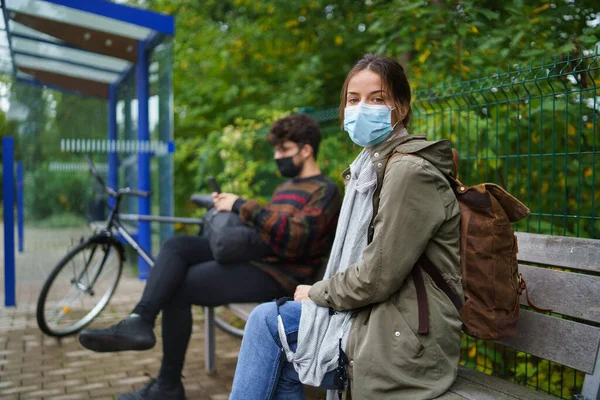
<point>359,329</point>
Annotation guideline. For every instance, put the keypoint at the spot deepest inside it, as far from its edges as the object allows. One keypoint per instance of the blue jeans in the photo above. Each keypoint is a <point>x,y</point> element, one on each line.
<point>262,372</point>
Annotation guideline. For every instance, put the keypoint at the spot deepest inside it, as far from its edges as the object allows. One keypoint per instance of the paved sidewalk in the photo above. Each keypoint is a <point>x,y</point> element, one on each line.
<point>34,366</point>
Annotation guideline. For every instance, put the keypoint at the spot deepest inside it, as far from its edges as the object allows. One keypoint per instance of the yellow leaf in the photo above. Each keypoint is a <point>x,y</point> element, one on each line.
<point>571,130</point>
<point>545,187</point>
<point>184,65</point>
<point>419,43</point>
<point>542,8</point>
<point>572,203</point>
<point>474,29</point>
<point>423,57</point>
<point>339,40</point>
<point>291,23</point>
<point>588,172</point>
<point>589,125</point>
<point>472,351</point>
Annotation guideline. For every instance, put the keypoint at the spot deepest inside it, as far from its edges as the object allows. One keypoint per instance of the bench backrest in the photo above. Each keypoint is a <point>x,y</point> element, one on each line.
<point>573,291</point>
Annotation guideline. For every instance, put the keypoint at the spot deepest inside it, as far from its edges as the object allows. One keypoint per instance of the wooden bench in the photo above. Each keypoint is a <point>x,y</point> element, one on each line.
<point>570,336</point>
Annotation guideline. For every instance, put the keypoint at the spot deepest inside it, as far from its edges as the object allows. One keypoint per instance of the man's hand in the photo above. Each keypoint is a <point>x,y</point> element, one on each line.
<point>224,201</point>
<point>301,292</point>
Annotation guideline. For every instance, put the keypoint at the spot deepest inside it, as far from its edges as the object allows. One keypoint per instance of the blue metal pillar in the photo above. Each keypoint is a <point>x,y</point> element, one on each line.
<point>20,206</point>
<point>113,158</point>
<point>8,186</point>
<point>143,155</point>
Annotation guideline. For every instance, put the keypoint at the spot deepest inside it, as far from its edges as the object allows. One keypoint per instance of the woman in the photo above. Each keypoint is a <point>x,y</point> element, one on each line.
<point>365,312</point>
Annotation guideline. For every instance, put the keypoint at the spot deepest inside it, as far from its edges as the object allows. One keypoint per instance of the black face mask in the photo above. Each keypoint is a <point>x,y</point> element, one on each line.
<point>287,167</point>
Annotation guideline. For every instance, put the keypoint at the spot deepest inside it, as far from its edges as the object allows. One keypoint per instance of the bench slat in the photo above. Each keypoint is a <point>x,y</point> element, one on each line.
<point>451,396</point>
<point>567,293</point>
<point>565,342</point>
<point>242,310</point>
<point>474,385</point>
<point>559,251</point>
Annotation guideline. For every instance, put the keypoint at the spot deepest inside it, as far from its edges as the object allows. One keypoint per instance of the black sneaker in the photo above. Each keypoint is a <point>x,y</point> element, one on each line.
<point>155,391</point>
<point>130,334</point>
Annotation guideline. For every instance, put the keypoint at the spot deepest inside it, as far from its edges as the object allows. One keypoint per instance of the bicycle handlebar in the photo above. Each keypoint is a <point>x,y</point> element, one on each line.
<point>134,192</point>
<point>111,192</point>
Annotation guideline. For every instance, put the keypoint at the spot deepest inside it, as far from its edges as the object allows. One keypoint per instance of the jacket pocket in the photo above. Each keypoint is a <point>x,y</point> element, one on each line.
<point>404,340</point>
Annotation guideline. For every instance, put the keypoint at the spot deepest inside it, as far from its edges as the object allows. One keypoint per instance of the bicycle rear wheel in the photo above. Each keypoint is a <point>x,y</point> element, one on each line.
<point>80,286</point>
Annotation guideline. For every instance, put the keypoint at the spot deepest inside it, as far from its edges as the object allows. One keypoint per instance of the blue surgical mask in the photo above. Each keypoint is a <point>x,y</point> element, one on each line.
<point>368,124</point>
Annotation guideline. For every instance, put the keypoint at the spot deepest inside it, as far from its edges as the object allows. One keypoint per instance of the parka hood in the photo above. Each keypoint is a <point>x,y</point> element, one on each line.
<point>438,153</point>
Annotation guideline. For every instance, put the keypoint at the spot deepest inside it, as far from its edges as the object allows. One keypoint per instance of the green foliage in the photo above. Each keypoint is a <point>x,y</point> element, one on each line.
<point>50,193</point>
<point>442,40</point>
<point>233,58</point>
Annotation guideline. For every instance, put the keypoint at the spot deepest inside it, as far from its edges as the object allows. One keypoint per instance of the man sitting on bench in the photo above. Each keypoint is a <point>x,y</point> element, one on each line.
<point>298,225</point>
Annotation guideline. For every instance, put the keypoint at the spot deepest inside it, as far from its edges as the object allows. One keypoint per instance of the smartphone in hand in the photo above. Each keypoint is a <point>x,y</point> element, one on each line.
<point>213,184</point>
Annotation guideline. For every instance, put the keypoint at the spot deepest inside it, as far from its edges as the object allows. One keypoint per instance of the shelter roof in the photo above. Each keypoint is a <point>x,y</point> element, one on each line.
<point>81,46</point>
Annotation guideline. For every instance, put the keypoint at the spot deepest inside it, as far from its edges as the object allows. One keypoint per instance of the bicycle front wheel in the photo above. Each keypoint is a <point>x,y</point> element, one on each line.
<point>80,286</point>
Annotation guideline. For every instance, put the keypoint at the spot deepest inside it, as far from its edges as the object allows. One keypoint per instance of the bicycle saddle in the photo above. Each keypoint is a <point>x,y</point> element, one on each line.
<point>202,200</point>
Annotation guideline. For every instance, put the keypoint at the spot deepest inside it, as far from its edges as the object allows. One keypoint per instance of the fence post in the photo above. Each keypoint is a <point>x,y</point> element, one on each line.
<point>8,180</point>
<point>20,207</point>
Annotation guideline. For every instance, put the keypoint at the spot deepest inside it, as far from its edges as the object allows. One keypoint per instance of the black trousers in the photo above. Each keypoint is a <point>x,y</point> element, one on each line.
<point>186,274</point>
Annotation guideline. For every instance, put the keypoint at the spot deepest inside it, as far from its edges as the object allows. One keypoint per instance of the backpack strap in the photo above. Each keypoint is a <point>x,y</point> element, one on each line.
<point>455,160</point>
<point>422,304</point>
<point>439,280</point>
<point>425,263</point>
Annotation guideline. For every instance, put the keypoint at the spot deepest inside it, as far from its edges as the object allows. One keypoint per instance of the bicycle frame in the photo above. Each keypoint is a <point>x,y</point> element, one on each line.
<point>114,221</point>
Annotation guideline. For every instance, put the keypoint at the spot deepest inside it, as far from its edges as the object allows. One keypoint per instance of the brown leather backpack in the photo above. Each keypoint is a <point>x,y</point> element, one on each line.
<point>488,250</point>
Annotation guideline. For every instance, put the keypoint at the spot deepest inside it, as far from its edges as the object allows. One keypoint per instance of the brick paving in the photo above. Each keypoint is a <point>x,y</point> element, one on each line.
<point>34,366</point>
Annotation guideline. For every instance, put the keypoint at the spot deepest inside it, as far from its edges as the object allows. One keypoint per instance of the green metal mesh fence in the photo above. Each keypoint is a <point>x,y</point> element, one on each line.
<point>534,130</point>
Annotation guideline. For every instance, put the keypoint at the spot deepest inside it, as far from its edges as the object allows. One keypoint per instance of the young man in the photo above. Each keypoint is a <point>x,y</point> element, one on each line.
<point>298,225</point>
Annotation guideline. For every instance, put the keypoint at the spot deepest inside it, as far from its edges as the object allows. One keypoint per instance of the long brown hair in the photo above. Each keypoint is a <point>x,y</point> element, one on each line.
<point>393,79</point>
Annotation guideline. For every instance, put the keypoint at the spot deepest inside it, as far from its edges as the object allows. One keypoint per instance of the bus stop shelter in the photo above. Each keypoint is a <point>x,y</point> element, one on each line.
<point>115,54</point>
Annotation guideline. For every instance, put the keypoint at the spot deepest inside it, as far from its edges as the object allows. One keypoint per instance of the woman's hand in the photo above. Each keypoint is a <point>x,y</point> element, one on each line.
<point>301,292</point>
<point>224,201</point>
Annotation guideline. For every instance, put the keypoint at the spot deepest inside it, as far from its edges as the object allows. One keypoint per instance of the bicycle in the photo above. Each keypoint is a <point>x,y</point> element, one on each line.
<point>102,255</point>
